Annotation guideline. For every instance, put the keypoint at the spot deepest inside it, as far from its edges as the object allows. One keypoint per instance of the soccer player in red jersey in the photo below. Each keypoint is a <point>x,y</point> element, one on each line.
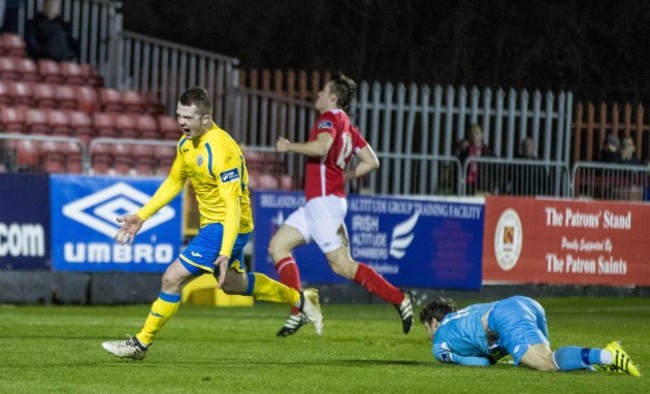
<point>332,142</point>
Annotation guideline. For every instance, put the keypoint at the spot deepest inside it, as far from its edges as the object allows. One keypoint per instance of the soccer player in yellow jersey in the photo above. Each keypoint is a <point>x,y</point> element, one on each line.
<point>214,163</point>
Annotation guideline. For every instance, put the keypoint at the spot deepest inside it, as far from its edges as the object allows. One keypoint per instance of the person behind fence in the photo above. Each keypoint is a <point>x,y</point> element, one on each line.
<point>477,177</point>
<point>332,142</point>
<point>527,179</point>
<point>481,334</point>
<point>214,164</point>
<point>611,152</point>
<point>628,150</point>
<point>47,36</point>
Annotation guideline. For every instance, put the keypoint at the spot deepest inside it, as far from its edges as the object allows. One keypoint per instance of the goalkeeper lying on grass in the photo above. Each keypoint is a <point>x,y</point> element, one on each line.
<point>481,334</point>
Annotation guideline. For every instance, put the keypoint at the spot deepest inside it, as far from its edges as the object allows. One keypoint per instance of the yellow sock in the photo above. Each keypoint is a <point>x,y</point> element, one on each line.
<point>263,288</point>
<point>161,310</point>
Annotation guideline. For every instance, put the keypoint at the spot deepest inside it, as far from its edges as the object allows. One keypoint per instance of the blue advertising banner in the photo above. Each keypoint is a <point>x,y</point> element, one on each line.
<point>84,209</point>
<point>421,243</point>
<point>24,222</point>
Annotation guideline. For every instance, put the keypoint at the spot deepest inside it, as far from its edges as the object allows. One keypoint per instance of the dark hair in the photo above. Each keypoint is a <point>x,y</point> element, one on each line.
<point>197,96</point>
<point>438,308</point>
<point>345,90</point>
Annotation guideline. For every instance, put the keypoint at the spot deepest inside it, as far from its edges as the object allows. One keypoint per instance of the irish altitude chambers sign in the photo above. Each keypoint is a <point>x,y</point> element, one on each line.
<point>553,241</point>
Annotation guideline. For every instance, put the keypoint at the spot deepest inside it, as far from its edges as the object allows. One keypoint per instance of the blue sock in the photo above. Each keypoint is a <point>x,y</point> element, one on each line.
<point>569,358</point>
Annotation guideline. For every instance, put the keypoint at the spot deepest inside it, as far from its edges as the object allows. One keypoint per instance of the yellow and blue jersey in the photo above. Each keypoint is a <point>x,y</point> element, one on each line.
<point>216,167</point>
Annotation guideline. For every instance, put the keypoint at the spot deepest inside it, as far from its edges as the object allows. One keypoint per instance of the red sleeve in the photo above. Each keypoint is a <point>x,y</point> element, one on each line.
<point>358,142</point>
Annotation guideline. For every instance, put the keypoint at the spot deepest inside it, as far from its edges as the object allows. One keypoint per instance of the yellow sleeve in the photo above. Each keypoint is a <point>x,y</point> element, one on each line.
<point>166,191</point>
<point>230,225</point>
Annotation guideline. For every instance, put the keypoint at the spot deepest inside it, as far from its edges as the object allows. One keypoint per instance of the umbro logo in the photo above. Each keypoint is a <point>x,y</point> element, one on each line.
<point>99,210</point>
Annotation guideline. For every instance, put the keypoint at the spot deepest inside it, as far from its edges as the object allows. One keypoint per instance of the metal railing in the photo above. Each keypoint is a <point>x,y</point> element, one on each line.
<point>605,181</point>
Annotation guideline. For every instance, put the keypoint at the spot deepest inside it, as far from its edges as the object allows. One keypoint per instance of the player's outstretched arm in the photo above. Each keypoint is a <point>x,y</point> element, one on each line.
<point>131,224</point>
<point>315,148</point>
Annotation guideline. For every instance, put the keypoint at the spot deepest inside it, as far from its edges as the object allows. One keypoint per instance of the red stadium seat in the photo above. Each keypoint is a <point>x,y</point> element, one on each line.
<point>144,159</point>
<point>8,70</point>
<point>104,124</point>
<point>12,119</point>
<point>45,95</point>
<point>133,101</point>
<point>87,99</point>
<point>147,127</point>
<point>123,160</point>
<point>93,76</point>
<point>268,181</point>
<point>286,182</point>
<point>12,45</point>
<point>49,71</point>
<point>37,121</point>
<point>154,106</point>
<point>27,155</point>
<point>101,159</point>
<point>110,100</point>
<point>60,123</point>
<point>67,96</point>
<point>164,158</point>
<point>22,93</point>
<point>27,68</point>
<point>5,92</point>
<point>73,73</point>
<point>168,127</point>
<point>126,125</point>
<point>82,124</point>
<point>254,160</point>
<point>52,157</point>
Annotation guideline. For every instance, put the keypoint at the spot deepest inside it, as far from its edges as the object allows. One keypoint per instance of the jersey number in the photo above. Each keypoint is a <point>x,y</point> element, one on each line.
<point>346,149</point>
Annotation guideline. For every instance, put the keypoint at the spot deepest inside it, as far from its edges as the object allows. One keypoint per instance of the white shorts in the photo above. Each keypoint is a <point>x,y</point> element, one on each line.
<point>320,220</point>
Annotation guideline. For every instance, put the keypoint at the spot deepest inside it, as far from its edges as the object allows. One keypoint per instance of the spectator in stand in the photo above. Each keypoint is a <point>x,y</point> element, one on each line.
<point>611,153</point>
<point>627,152</point>
<point>474,146</point>
<point>48,36</point>
<point>527,179</point>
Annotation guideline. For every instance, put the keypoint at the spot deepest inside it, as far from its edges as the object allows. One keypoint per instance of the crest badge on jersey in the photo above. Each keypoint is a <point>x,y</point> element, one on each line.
<point>326,124</point>
<point>229,175</point>
<point>199,160</point>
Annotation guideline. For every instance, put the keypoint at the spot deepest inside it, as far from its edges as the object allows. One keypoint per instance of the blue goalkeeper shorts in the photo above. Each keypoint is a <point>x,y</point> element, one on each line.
<point>200,254</point>
<point>519,322</point>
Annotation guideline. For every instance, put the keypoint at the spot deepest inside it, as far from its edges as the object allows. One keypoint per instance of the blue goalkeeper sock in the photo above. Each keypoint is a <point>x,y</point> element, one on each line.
<point>569,358</point>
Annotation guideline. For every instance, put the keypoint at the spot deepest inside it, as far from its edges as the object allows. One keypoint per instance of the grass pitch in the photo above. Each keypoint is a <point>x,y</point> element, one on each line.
<point>234,350</point>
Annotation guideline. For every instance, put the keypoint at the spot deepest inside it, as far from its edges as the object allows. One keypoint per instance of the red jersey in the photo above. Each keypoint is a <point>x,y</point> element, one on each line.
<point>325,175</point>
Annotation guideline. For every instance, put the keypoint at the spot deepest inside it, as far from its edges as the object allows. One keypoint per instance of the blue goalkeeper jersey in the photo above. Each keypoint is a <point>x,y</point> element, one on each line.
<point>461,338</point>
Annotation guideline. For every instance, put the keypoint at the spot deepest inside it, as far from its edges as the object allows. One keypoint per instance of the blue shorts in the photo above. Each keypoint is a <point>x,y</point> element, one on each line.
<point>519,322</point>
<point>200,254</point>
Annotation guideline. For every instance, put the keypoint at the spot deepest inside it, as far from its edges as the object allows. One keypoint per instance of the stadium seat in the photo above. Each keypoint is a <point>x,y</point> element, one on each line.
<point>144,159</point>
<point>21,93</point>
<point>110,100</point>
<point>93,76</point>
<point>254,160</point>
<point>12,119</point>
<point>147,127</point>
<point>268,181</point>
<point>60,123</point>
<point>87,99</point>
<point>67,96</point>
<point>164,158</point>
<point>37,121</point>
<point>12,45</point>
<point>27,68</point>
<point>27,155</point>
<point>73,74</point>
<point>126,125</point>
<point>8,70</point>
<point>168,127</point>
<point>133,101</point>
<point>82,125</point>
<point>49,71</point>
<point>154,106</point>
<point>101,159</point>
<point>286,182</point>
<point>104,124</point>
<point>5,92</point>
<point>123,160</point>
<point>73,159</point>
<point>253,179</point>
<point>52,157</point>
<point>44,95</point>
